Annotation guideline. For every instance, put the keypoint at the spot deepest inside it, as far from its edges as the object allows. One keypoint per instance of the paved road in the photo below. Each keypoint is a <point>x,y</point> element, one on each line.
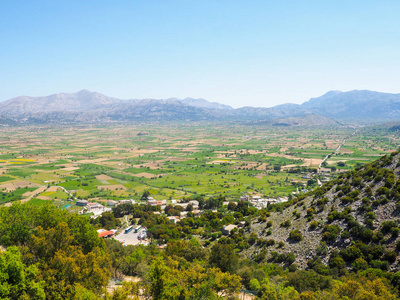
<point>330,154</point>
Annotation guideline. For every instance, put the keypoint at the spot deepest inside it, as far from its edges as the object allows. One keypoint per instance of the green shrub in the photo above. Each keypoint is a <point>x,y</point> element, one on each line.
<point>360,264</point>
<point>270,242</point>
<point>395,232</point>
<point>331,232</point>
<point>295,236</point>
<point>314,225</point>
<point>254,284</point>
<point>290,258</point>
<point>293,268</point>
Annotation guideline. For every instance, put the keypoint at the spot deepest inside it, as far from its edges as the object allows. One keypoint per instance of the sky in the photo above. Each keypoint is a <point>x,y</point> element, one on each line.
<point>240,53</point>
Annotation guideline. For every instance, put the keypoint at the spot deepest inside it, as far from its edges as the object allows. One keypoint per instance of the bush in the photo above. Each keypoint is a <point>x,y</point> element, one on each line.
<point>360,264</point>
<point>293,268</point>
<point>351,253</point>
<point>395,232</point>
<point>308,281</point>
<point>322,249</point>
<point>377,264</point>
<point>254,284</point>
<point>390,256</point>
<point>383,191</point>
<point>290,258</point>
<point>337,262</point>
<point>387,226</point>
<point>295,236</point>
<point>331,233</point>
<point>314,225</point>
<point>270,242</point>
<point>345,234</point>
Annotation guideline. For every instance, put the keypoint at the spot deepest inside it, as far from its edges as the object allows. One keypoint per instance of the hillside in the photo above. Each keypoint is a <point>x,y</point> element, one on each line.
<point>91,107</point>
<point>351,222</point>
<point>356,105</point>
<point>66,102</point>
<point>307,120</point>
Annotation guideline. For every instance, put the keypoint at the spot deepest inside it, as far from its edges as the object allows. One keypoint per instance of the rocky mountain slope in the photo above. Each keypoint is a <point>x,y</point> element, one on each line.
<point>90,107</point>
<point>358,105</point>
<point>64,102</point>
<point>351,222</point>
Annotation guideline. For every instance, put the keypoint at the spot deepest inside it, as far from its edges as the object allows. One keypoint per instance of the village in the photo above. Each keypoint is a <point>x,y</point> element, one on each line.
<point>135,235</point>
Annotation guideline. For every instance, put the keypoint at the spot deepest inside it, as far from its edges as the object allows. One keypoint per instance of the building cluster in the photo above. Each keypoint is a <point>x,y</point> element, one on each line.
<point>98,208</point>
<point>92,207</point>
<point>141,233</point>
<point>260,202</point>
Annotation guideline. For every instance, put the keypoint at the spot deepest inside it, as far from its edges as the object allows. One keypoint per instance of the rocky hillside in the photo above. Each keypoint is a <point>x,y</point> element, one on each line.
<point>63,102</point>
<point>356,105</point>
<point>349,223</point>
<point>90,107</point>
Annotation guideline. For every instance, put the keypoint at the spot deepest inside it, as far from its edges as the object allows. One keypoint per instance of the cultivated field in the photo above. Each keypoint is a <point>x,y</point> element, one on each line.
<point>175,161</point>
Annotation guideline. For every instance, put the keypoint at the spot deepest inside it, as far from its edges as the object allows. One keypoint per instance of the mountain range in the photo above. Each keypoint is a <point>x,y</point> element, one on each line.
<point>91,107</point>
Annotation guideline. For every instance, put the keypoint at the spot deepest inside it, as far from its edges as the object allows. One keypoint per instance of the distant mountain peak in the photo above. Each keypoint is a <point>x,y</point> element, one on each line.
<point>83,100</point>
<point>84,91</point>
<point>356,105</point>
<point>90,107</point>
<point>200,102</point>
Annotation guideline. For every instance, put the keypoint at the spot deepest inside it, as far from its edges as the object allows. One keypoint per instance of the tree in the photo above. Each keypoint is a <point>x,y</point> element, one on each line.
<point>17,281</point>
<point>231,205</point>
<point>108,220</point>
<point>134,260</point>
<point>254,284</point>
<point>159,280</point>
<point>166,281</point>
<point>145,195</point>
<point>223,257</point>
<point>307,281</point>
<point>189,207</point>
<point>64,248</point>
<point>351,289</point>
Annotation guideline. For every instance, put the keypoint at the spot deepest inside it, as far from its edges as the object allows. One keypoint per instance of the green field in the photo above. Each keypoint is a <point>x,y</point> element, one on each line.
<point>181,160</point>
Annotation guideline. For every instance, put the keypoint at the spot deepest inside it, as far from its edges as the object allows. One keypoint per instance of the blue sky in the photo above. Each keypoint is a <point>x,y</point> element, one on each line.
<point>258,53</point>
